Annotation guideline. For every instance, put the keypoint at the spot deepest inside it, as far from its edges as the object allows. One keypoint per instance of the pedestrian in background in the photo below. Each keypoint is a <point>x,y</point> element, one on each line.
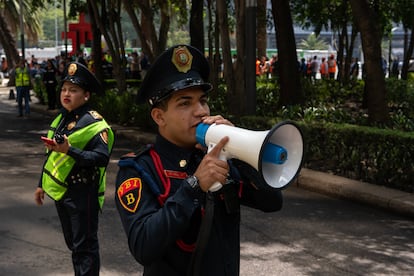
<point>74,173</point>
<point>50,82</point>
<point>174,224</point>
<point>22,81</point>
<point>323,69</point>
<point>331,67</point>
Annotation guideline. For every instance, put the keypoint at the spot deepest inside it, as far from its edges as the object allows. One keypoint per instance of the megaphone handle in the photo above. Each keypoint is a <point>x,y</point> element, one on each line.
<point>216,186</point>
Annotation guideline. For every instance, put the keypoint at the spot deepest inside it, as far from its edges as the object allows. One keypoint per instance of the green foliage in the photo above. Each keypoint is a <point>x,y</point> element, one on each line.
<point>120,109</point>
<point>335,127</point>
<point>312,42</point>
<point>373,155</point>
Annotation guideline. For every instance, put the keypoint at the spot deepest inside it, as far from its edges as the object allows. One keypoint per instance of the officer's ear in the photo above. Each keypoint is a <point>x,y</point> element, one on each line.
<point>157,115</point>
<point>87,95</point>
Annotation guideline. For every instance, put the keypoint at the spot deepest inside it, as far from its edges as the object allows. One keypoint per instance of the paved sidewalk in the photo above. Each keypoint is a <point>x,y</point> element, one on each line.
<point>344,188</point>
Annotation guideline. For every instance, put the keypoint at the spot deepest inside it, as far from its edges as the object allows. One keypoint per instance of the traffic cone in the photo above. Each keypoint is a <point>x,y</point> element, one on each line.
<point>11,95</point>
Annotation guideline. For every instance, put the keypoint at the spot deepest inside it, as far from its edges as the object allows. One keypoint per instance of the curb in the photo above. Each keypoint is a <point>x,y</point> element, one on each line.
<point>341,187</point>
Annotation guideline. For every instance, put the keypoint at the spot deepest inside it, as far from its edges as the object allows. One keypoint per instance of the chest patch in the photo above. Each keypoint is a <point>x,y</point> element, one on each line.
<point>129,194</point>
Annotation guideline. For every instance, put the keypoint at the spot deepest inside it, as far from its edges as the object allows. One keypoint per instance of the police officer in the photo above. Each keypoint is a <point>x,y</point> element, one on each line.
<point>23,80</point>
<point>79,147</point>
<point>174,224</point>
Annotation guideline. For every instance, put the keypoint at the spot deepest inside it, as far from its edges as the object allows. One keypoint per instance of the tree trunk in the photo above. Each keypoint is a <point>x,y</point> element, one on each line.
<point>407,55</point>
<point>368,24</point>
<point>226,57</point>
<point>261,28</point>
<point>9,44</point>
<point>239,92</point>
<point>196,25</point>
<point>96,47</point>
<point>145,46</point>
<point>290,87</point>
<point>109,24</point>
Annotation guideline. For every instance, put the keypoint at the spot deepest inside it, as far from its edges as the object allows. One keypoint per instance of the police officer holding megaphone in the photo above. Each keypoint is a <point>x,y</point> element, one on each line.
<point>175,223</point>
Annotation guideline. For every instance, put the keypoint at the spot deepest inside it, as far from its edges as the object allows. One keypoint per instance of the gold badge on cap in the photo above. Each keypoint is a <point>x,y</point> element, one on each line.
<point>72,69</point>
<point>182,59</point>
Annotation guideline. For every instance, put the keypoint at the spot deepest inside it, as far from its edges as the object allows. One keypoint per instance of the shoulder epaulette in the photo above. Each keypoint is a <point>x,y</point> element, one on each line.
<point>143,150</point>
<point>95,115</point>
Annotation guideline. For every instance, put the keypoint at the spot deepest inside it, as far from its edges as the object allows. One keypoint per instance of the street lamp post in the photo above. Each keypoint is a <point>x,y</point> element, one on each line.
<point>65,29</point>
<point>22,29</point>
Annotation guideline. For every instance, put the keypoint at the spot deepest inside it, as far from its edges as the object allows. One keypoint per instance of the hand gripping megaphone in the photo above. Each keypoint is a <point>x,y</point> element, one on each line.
<point>277,154</point>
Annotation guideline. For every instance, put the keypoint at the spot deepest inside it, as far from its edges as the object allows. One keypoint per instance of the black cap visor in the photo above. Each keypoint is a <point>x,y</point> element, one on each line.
<point>179,85</point>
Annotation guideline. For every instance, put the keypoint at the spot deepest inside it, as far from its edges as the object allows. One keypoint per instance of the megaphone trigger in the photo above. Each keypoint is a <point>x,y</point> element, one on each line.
<point>216,186</point>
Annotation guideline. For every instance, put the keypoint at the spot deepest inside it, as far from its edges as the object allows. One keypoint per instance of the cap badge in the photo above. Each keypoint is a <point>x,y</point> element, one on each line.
<point>182,59</point>
<point>72,69</point>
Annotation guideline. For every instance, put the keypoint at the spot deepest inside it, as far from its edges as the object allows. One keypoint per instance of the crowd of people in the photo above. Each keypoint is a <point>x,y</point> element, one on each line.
<point>44,75</point>
<point>312,68</point>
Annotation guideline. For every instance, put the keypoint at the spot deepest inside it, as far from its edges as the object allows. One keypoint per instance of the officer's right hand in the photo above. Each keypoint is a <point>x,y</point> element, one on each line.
<point>211,169</point>
<point>39,196</point>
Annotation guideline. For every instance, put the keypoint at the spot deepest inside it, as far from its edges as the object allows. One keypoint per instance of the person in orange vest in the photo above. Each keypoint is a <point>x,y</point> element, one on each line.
<point>323,69</point>
<point>332,66</point>
<point>258,69</point>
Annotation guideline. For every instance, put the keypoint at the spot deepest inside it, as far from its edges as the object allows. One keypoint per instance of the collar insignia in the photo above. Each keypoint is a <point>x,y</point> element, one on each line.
<point>129,194</point>
<point>183,163</point>
<point>182,59</point>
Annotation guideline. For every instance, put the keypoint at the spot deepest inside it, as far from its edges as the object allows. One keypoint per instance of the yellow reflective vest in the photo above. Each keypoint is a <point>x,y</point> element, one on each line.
<point>59,165</point>
<point>22,76</point>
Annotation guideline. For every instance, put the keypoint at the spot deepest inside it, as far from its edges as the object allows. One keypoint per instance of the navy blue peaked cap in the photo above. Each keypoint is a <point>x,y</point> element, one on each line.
<point>178,68</point>
<point>79,74</point>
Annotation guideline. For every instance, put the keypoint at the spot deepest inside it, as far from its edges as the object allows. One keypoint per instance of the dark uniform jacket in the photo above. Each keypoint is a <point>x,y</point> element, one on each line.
<point>162,226</point>
<point>94,155</point>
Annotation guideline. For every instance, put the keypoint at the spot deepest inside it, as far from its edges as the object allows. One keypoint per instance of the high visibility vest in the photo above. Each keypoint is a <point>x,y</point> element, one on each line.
<point>323,68</point>
<point>22,76</point>
<point>59,165</point>
<point>331,66</point>
<point>258,71</point>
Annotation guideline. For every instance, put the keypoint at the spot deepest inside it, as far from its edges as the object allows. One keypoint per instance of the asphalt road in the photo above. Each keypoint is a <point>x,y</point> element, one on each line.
<point>313,235</point>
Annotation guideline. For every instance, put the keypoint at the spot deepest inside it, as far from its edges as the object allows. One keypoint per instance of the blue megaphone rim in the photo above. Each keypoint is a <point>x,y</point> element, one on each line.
<point>266,141</point>
<point>201,132</point>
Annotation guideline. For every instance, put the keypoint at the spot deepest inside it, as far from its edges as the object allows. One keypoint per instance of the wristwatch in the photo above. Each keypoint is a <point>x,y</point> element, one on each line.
<point>192,180</point>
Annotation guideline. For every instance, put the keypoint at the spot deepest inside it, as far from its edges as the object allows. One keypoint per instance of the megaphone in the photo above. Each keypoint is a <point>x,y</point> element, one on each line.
<point>277,154</point>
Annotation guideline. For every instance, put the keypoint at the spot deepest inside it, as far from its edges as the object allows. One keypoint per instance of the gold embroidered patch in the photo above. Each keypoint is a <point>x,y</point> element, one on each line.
<point>95,115</point>
<point>104,136</point>
<point>72,69</point>
<point>129,194</point>
<point>182,59</point>
<point>71,125</point>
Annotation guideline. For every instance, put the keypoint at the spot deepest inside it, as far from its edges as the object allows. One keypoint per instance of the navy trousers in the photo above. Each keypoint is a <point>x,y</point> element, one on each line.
<point>78,213</point>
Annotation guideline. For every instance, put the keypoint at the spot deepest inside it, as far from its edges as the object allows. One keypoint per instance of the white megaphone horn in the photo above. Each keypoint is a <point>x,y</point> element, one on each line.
<point>276,154</point>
